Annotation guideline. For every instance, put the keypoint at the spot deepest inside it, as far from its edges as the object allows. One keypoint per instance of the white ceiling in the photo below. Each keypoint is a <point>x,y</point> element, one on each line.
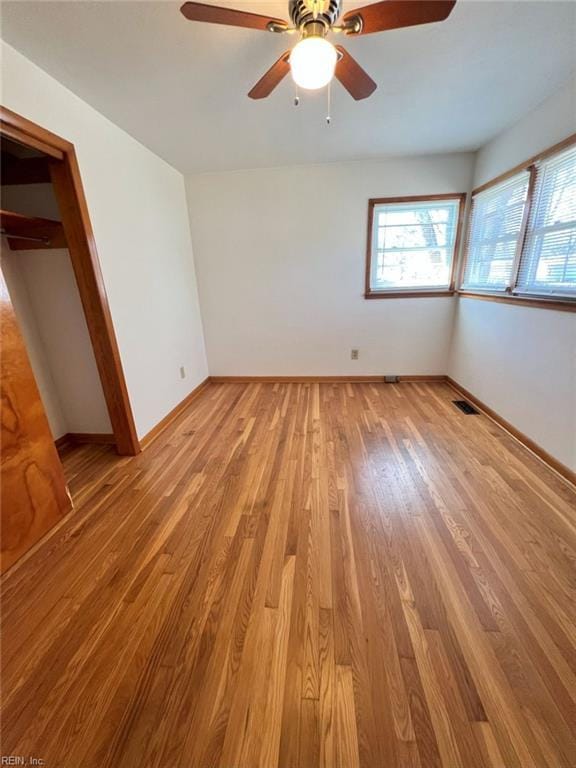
<point>180,87</point>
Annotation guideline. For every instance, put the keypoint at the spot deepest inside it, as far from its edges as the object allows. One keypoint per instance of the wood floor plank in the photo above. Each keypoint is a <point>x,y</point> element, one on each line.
<point>296,575</point>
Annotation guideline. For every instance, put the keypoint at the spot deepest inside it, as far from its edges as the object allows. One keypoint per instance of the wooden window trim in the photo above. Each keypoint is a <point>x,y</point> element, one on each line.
<point>558,303</point>
<point>412,293</point>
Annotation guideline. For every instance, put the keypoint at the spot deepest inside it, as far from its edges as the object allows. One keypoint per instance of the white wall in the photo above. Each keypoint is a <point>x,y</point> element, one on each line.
<point>551,122</point>
<point>522,361</point>
<point>54,328</point>
<point>138,209</point>
<point>280,256</point>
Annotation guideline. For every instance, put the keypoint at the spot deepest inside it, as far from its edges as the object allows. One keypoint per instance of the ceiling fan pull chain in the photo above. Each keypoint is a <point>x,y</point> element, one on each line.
<point>328,117</point>
<point>296,96</point>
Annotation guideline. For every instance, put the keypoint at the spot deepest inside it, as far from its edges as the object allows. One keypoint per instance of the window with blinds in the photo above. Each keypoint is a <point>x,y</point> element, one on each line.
<point>412,244</point>
<point>522,232</point>
<point>493,233</point>
<point>548,263</point>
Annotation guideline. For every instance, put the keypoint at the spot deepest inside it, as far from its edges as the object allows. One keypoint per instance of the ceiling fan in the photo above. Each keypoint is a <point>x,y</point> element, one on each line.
<point>314,60</point>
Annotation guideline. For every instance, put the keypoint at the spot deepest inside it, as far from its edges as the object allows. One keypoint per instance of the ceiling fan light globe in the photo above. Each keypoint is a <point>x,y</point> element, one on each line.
<point>312,63</point>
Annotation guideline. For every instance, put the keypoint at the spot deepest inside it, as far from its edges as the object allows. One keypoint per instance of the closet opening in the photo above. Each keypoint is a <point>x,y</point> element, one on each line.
<point>52,272</point>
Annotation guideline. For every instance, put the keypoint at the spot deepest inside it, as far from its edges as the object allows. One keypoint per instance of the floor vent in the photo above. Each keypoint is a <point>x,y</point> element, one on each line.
<point>465,407</point>
<point>391,379</point>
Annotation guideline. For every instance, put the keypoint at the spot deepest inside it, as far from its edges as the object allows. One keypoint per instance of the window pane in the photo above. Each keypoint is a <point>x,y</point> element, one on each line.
<point>413,269</point>
<point>413,245</point>
<point>548,263</point>
<point>495,224</point>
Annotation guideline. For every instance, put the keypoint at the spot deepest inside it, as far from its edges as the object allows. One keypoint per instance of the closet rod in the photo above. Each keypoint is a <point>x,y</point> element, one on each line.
<point>16,236</point>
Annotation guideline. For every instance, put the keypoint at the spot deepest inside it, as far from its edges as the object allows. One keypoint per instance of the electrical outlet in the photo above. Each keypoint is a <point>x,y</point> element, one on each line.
<point>354,354</point>
<point>182,372</point>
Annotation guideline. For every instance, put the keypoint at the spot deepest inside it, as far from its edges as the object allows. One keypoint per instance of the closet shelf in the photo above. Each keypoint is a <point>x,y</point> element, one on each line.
<point>26,233</point>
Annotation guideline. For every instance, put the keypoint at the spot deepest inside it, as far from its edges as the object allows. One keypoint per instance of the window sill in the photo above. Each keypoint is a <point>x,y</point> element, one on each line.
<point>407,294</point>
<point>560,305</point>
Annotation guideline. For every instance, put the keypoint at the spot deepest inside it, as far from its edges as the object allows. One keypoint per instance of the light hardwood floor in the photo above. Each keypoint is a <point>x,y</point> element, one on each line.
<point>301,575</point>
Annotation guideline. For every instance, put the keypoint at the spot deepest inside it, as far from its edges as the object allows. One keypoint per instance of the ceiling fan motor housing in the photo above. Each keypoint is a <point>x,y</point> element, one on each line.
<point>305,12</point>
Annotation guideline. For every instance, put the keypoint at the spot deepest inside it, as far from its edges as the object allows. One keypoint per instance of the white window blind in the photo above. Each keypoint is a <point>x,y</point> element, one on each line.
<point>548,264</point>
<point>413,245</point>
<point>494,230</point>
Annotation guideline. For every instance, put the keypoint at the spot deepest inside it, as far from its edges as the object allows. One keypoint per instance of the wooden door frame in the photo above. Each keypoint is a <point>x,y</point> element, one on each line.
<point>65,174</point>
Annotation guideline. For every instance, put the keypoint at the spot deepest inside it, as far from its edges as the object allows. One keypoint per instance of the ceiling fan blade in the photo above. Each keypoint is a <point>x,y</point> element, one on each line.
<point>213,14</point>
<point>357,82</point>
<point>393,14</point>
<point>272,78</point>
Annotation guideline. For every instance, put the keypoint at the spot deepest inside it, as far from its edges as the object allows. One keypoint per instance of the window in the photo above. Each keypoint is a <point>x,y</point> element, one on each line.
<point>522,232</point>
<point>495,224</point>
<point>411,245</point>
<point>548,263</point>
